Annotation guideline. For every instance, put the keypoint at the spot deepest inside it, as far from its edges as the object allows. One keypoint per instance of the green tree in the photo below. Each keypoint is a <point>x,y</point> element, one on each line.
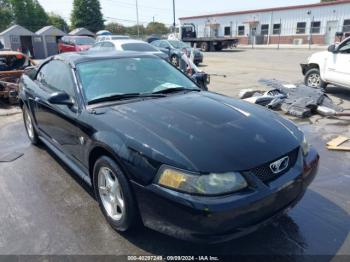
<point>57,21</point>
<point>6,16</point>
<point>29,13</point>
<point>87,13</point>
<point>115,28</point>
<point>156,28</point>
<point>132,30</point>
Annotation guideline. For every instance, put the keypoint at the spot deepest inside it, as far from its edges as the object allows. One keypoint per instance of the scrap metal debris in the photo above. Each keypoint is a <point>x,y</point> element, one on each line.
<point>336,144</point>
<point>297,100</point>
<point>12,65</point>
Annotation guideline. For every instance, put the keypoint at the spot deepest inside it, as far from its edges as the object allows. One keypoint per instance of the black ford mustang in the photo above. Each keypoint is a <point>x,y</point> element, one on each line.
<point>158,150</point>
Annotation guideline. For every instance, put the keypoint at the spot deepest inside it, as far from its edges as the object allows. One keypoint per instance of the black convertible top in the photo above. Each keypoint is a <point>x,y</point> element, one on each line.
<point>75,58</point>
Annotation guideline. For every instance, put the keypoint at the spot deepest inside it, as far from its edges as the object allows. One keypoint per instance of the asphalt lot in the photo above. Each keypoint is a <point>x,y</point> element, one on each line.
<point>45,209</point>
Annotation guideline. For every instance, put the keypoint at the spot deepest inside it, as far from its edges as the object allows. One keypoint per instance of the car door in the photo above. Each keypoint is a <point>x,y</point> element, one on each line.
<point>57,123</point>
<point>338,65</point>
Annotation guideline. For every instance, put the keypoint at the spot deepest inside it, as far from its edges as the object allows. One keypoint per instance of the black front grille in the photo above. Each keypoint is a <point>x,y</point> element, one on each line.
<point>264,172</point>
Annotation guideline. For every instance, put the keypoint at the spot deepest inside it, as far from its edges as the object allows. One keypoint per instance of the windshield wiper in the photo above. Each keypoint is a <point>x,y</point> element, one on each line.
<point>175,89</point>
<point>122,97</point>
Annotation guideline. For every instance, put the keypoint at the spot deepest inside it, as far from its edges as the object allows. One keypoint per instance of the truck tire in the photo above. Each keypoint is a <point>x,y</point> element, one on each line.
<point>218,47</point>
<point>313,79</point>
<point>204,47</point>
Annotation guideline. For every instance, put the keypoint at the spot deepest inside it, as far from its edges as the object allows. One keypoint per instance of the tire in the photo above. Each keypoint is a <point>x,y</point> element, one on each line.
<point>175,60</point>
<point>114,195</point>
<point>205,47</point>
<point>313,79</point>
<point>218,47</point>
<point>29,125</point>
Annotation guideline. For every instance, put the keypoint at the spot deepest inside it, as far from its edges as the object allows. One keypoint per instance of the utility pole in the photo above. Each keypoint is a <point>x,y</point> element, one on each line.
<point>153,19</point>
<point>137,18</point>
<point>174,23</point>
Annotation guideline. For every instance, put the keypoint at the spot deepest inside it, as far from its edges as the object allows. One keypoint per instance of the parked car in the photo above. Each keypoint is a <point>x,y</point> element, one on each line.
<point>111,37</point>
<point>174,49</point>
<point>128,45</point>
<point>75,43</point>
<point>157,149</point>
<point>329,67</point>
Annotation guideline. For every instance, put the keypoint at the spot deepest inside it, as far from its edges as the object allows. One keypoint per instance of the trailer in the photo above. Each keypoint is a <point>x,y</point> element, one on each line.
<point>188,34</point>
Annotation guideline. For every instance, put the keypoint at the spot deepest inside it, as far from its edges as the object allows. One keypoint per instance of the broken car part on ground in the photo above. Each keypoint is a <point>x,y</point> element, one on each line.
<point>297,100</point>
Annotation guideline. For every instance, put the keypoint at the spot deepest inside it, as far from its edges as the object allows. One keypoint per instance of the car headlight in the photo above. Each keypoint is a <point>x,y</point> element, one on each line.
<point>211,184</point>
<point>305,146</point>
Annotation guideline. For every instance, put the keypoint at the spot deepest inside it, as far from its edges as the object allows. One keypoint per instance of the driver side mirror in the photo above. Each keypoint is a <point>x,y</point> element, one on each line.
<point>61,98</point>
<point>31,72</point>
<point>332,49</point>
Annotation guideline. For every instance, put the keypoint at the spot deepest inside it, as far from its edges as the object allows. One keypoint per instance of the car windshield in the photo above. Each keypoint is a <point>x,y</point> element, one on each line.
<point>119,76</point>
<point>179,44</point>
<point>140,47</point>
<point>84,41</point>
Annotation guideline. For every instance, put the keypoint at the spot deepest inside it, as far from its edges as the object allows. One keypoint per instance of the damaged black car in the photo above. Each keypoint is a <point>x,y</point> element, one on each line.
<point>160,151</point>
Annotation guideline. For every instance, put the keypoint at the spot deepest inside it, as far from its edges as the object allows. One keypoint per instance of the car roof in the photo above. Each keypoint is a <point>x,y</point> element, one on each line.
<point>120,42</point>
<point>74,58</point>
<point>77,36</point>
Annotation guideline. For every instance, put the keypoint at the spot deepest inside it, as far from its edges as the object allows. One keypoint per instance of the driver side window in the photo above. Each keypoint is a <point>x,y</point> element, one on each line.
<point>345,48</point>
<point>56,76</point>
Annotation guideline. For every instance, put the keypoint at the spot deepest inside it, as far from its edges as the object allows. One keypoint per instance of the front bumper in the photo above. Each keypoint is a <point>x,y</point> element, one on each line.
<point>221,218</point>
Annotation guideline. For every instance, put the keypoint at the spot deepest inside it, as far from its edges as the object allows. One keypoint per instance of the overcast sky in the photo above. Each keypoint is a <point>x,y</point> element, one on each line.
<point>123,11</point>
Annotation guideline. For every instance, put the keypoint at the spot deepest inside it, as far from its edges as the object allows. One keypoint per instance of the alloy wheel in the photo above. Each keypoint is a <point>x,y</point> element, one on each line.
<point>314,80</point>
<point>29,124</point>
<point>174,61</point>
<point>111,194</point>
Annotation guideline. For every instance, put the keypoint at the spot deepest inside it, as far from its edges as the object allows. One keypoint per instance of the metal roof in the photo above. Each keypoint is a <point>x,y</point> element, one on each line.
<point>17,30</point>
<point>81,31</point>
<point>50,30</point>
<point>338,2</point>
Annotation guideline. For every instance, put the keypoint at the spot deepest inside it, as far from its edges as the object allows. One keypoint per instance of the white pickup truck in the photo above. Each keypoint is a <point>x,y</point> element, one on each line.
<point>329,67</point>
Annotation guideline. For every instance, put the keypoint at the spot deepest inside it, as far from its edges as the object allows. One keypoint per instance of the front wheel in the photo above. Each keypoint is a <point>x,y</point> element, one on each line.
<point>313,79</point>
<point>29,125</point>
<point>175,60</point>
<point>114,194</point>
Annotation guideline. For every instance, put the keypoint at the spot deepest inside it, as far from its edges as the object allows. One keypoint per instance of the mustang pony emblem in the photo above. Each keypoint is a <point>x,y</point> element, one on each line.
<point>279,165</point>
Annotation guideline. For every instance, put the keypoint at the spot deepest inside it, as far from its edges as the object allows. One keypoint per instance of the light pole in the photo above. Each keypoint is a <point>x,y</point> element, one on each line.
<point>137,18</point>
<point>174,22</point>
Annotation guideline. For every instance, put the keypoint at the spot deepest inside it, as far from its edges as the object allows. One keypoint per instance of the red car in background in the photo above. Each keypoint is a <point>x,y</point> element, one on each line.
<point>75,43</point>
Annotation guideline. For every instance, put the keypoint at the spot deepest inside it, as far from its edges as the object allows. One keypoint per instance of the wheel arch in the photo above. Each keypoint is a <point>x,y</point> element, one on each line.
<point>310,66</point>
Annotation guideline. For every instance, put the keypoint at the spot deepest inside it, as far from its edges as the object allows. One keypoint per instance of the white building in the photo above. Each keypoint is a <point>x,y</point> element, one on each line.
<point>317,23</point>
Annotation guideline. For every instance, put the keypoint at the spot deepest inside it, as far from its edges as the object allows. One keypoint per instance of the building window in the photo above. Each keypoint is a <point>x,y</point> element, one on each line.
<point>264,29</point>
<point>241,30</point>
<point>315,27</point>
<point>346,27</point>
<point>277,29</point>
<point>301,28</point>
<point>227,30</point>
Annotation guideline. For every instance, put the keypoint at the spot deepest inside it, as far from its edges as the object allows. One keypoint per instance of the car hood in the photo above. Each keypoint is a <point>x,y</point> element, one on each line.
<point>318,57</point>
<point>203,132</point>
